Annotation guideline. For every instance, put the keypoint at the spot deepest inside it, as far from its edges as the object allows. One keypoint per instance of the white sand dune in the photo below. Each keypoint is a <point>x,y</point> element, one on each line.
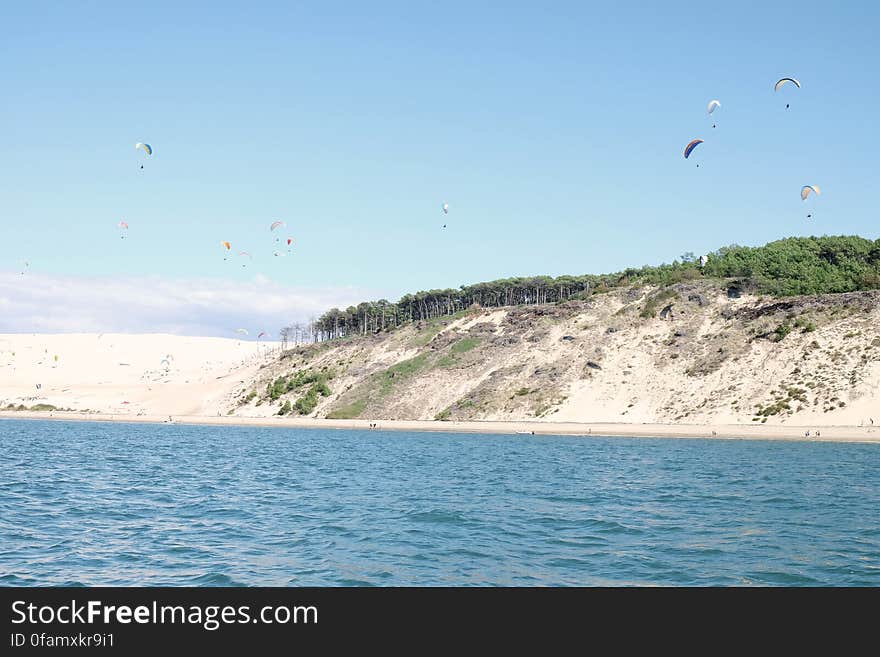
<point>115,373</point>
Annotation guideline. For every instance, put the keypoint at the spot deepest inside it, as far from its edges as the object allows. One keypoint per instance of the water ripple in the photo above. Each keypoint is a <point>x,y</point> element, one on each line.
<point>114,504</point>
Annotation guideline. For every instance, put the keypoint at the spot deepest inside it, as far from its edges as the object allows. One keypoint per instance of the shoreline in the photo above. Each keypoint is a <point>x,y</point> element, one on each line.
<point>831,433</point>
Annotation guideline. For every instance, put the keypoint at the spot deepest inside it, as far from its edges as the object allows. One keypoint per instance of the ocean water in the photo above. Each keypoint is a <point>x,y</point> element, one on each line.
<point>137,504</point>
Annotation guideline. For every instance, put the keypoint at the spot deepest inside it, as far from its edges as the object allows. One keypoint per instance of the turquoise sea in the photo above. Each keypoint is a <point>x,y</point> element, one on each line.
<point>138,504</point>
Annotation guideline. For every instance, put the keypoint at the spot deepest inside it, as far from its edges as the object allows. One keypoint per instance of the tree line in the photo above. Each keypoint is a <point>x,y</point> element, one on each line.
<point>792,266</point>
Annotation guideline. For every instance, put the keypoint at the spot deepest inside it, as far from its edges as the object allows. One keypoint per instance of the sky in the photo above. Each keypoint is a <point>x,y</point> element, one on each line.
<point>554,131</point>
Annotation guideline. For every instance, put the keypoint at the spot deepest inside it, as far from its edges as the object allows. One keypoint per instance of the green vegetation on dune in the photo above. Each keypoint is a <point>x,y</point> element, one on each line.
<point>425,335</point>
<point>43,407</point>
<point>803,265</point>
<point>656,302</point>
<point>36,407</point>
<point>399,372</point>
<point>787,267</point>
<point>380,384</point>
<point>404,368</point>
<point>445,361</point>
<point>317,382</point>
<point>349,411</point>
<point>308,402</point>
<point>464,345</point>
<point>460,347</point>
<point>282,385</point>
<point>806,325</point>
<point>781,332</point>
<point>463,404</point>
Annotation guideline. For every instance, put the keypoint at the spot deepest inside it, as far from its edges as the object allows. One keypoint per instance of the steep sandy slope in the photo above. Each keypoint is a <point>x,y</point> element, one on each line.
<point>686,354</point>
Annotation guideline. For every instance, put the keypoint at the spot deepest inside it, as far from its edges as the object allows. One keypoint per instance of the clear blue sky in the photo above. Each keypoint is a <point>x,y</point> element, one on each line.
<point>554,130</point>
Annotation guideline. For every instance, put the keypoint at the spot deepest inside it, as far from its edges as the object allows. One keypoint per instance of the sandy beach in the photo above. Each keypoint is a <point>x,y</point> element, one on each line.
<point>727,431</point>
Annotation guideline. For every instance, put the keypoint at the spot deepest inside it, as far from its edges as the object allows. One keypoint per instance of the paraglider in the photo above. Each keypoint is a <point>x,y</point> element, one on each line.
<point>245,254</point>
<point>123,226</point>
<point>24,266</point>
<point>227,246</point>
<point>690,147</point>
<point>446,208</point>
<point>711,107</point>
<point>274,225</point>
<point>782,82</point>
<point>263,333</point>
<point>806,190</point>
<point>241,331</point>
<point>146,148</point>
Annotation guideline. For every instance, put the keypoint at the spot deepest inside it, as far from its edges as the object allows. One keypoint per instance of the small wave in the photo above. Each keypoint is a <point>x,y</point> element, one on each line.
<point>436,516</point>
<point>781,578</point>
<point>15,580</point>
<point>346,581</point>
<point>214,579</point>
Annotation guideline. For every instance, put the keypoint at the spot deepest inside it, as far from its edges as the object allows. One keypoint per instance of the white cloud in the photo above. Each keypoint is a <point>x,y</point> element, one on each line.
<point>33,303</point>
